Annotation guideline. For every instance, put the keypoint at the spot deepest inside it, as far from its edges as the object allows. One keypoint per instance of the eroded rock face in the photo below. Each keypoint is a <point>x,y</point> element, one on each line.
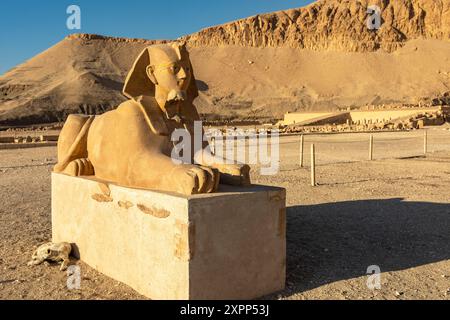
<point>337,25</point>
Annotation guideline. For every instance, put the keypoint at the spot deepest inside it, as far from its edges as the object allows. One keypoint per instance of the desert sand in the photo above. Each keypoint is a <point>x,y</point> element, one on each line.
<point>392,212</point>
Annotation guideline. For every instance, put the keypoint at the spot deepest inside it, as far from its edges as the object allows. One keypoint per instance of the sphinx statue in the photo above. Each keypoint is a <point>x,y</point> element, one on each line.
<point>131,145</point>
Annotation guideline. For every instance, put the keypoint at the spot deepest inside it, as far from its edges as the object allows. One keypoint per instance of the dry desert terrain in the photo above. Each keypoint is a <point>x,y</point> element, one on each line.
<point>393,212</point>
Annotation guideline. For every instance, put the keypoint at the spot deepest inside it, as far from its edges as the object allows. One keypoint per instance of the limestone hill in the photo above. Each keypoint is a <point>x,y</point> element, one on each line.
<point>319,57</point>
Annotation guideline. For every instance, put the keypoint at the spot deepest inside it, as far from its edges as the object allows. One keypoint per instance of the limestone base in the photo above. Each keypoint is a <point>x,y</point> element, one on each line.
<point>227,245</point>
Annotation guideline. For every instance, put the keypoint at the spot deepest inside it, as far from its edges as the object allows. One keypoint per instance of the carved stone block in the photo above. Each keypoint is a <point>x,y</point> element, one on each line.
<point>225,245</point>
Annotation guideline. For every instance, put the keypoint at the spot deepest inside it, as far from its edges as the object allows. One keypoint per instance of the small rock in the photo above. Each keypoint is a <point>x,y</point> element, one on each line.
<point>398,293</point>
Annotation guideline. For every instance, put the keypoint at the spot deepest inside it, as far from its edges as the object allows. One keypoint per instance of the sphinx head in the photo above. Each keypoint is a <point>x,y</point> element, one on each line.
<point>170,72</point>
<point>165,72</point>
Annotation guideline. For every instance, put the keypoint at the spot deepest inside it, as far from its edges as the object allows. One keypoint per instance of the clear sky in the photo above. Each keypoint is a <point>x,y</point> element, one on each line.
<point>28,27</point>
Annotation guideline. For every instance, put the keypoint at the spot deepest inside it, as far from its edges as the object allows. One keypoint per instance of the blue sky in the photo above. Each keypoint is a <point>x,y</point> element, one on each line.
<point>28,27</point>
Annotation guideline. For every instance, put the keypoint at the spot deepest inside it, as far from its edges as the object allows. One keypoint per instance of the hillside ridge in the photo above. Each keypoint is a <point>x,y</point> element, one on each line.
<point>319,57</point>
<point>336,25</point>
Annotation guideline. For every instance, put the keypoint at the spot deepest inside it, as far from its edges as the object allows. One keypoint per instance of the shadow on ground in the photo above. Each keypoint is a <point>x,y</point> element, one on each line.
<point>337,241</point>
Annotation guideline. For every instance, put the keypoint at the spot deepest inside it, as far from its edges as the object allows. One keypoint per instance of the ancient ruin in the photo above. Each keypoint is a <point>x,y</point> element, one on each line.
<point>370,118</point>
<point>114,190</point>
<point>131,211</point>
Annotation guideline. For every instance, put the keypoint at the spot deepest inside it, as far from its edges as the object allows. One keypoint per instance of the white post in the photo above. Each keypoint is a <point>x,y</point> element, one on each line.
<point>302,143</point>
<point>313,166</point>
<point>213,145</point>
<point>371,148</point>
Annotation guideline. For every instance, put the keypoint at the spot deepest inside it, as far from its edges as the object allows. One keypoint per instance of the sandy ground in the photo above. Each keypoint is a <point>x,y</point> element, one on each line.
<point>393,213</point>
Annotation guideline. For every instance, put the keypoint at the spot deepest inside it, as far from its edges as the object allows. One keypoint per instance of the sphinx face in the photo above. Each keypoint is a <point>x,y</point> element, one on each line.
<point>170,71</point>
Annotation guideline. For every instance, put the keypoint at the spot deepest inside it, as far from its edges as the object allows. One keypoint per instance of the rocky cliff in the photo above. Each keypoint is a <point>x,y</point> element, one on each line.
<point>335,24</point>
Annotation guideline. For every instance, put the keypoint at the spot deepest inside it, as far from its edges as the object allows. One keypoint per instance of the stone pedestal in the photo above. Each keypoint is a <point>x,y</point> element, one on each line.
<point>227,245</point>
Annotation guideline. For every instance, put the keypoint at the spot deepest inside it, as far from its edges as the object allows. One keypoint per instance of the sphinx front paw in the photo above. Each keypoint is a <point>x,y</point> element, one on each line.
<point>192,179</point>
<point>235,174</point>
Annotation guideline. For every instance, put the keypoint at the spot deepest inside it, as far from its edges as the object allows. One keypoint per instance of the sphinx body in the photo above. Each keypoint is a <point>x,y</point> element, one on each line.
<point>132,146</point>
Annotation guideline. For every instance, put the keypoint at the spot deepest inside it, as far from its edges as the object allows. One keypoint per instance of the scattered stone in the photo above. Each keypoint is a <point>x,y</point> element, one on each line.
<point>398,294</point>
